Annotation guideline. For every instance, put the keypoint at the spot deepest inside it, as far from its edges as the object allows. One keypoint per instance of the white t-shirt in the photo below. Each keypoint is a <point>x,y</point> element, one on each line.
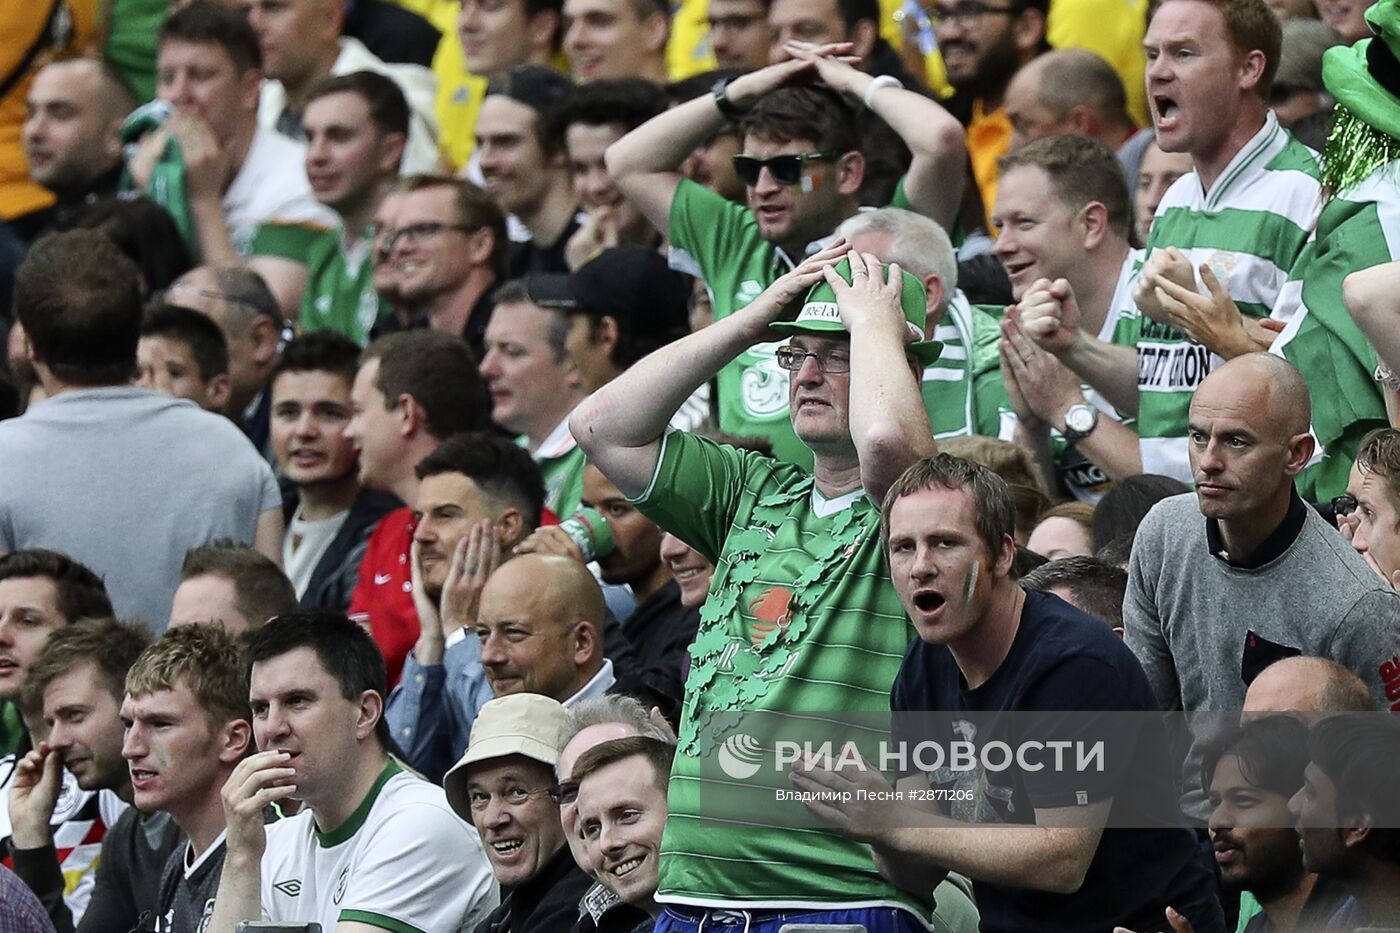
<point>305,545</point>
<point>271,187</point>
<point>402,861</point>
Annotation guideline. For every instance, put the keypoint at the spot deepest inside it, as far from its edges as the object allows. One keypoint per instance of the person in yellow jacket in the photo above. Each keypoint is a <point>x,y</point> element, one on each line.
<point>32,34</point>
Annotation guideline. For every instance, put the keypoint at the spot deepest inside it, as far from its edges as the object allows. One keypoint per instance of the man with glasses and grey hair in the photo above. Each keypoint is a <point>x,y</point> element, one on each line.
<point>801,588</point>
<point>239,301</point>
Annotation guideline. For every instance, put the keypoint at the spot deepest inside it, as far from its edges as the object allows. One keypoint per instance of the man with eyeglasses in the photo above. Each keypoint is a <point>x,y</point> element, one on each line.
<point>238,300</point>
<point>1241,573</point>
<point>802,169</point>
<point>983,46</point>
<point>449,250</point>
<point>355,127</point>
<point>374,847</point>
<point>801,614</point>
<point>505,785</point>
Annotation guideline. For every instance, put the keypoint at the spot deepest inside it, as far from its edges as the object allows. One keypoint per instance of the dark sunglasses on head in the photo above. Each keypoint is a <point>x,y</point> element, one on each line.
<point>785,169</point>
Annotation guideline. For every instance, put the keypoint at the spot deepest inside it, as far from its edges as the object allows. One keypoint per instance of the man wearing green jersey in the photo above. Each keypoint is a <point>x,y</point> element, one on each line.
<point>801,615</point>
<point>355,129</point>
<point>962,390</point>
<point>802,168</point>
<point>1244,213</point>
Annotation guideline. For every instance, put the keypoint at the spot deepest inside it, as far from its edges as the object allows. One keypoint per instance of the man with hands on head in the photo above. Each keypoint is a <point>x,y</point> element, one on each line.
<point>803,170</point>
<point>373,847</point>
<point>797,562</point>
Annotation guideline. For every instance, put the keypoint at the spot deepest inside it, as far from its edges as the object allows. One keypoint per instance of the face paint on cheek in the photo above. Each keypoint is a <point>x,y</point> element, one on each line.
<point>972,581</point>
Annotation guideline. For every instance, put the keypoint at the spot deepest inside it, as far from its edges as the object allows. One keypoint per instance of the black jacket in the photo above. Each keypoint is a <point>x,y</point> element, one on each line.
<point>546,903</point>
<point>334,578</point>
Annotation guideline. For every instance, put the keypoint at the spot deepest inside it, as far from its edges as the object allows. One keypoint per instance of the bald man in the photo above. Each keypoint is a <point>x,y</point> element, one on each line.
<point>1226,580</point>
<point>541,627</point>
<point>1074,91</point>
<point>1307,686</point>
<point>70,140</point>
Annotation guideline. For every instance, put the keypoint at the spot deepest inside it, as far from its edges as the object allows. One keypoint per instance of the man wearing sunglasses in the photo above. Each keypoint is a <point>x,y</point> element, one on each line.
<point>801,615</point>
<point>802,168</point>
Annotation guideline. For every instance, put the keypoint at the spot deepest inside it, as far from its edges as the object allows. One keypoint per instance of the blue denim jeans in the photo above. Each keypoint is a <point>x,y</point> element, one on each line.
<point>680,919</point>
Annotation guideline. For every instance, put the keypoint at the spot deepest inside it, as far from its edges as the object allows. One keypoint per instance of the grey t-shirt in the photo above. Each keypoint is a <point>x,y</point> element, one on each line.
<point>127,480</point>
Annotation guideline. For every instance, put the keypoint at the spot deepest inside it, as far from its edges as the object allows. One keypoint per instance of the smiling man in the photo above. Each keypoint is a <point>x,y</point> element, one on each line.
<point>448,251</point>
<point>505,785</point>
<point>520,149</point>
<point>1228,579</point>
<point>373,847</point>
<point>622,812</point>
<point>541,630</point>
<point>355,127</point>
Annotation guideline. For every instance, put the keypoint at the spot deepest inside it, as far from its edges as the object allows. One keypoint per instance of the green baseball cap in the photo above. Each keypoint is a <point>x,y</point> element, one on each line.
<point>819,315</point>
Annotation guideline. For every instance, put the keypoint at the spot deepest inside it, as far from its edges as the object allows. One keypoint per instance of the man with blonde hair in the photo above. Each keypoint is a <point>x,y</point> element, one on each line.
<point>187,725</point>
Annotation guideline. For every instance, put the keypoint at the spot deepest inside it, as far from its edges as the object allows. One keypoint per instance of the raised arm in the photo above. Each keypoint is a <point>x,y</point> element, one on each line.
<point>938,172</point>
<point>646,162</point>
<point>620,426</point>
<point>1371,297</point>
<point>892,430</point>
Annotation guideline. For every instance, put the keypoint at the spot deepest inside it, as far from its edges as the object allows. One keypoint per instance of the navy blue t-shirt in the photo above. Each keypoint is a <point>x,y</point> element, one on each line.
<point>1062,659</point>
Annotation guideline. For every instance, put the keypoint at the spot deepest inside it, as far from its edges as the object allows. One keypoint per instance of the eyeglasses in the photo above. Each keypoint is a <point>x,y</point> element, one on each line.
<point>513,797</point>
<point>566,792</point>
<point>171,298</point>
<point>785,169</point>
<point>385,238</point>
<point>792,358</point>
<point>1344,504</point>
<point>964,12</point>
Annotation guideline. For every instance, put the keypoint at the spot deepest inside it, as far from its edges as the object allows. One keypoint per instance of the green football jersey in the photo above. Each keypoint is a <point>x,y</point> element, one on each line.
<point>717,240</point>
<point>801,617</point>
<point>1358,228</point>
<point>340,293</point>
<point>1250,229</point>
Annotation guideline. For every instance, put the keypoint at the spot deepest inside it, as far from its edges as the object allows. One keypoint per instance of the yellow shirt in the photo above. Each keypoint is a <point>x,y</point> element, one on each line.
<point>1114,30</point>
<point>21,22</point>
<point>688,52</point>
<point>988,136</point>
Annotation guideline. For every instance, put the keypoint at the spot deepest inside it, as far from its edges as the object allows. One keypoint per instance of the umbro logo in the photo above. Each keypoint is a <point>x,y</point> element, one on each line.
<point>382,578</point>
<point>291,887</point>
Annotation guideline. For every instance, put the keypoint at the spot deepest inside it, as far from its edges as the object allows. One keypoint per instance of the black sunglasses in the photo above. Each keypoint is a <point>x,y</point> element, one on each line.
<point>785,169</point>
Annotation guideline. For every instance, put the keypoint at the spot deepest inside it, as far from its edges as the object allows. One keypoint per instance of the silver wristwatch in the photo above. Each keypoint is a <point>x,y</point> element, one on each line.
<point>1080,421</point>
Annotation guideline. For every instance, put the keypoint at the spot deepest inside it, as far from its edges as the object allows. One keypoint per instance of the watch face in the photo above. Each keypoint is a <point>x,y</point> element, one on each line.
<point>1080,418</point>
